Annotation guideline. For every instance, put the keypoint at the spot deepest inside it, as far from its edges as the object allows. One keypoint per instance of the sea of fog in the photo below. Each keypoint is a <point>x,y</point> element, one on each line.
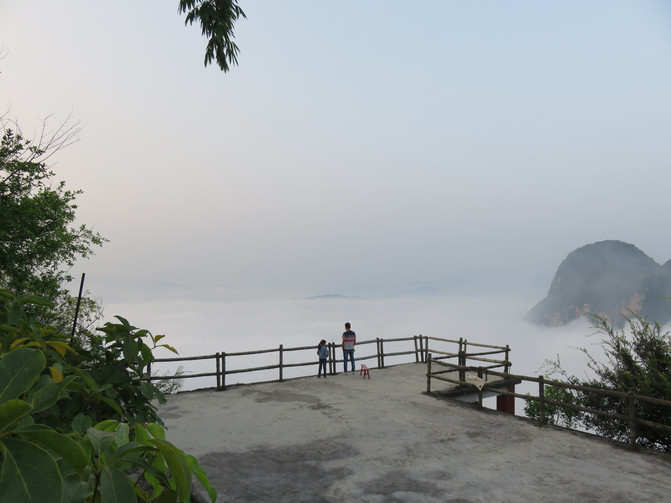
<point>200,327</point>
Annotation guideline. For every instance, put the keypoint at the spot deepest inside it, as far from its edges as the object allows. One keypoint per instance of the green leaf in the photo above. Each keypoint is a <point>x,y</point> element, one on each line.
<point>18,371</point>
<point>201,476</point>
<point>29,474</point>
<point>180,472</point>
<point>122,434</point>
<point>147,355</point>
<point>116,486</point>
<point>49,394</point>
<point>81,423</point>
<point>99,440</point>
<point>111,403</point>
<point>60,347</point>
<point>156,430</point>
<point>141,434</point>
<point>130,349</point>
<point>167,496</point>
<point>61,444</point>
<point>125,323</point>
<point>85,377</point>
<point>130,448</point>
<point>107,425</point>
<point>147,390</point>
<point>11,412</point>
<point>76,488</point>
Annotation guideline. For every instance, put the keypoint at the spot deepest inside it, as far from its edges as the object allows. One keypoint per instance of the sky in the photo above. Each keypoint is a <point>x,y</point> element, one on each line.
<point>366,148</point>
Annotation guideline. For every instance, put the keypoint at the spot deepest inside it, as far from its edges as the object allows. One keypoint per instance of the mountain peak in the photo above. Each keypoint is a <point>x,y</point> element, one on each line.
<point>610,278</point>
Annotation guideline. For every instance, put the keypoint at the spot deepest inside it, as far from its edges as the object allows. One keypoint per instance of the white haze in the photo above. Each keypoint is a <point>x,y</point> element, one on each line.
<point>198,327</point>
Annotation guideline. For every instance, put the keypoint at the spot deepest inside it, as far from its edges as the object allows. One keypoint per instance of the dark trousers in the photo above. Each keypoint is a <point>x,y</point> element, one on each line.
<point>348,353</point>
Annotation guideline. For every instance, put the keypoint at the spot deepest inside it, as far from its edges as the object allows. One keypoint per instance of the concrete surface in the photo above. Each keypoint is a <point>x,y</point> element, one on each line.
<point>345,439</point>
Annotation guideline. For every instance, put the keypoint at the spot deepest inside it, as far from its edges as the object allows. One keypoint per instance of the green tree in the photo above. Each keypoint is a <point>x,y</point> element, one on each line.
<point>39,241</point>
<point>638,362</point>
<point>217,19</point>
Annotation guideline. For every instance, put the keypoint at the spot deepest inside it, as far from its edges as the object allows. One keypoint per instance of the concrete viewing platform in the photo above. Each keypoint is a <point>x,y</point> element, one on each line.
<point>348,439</point>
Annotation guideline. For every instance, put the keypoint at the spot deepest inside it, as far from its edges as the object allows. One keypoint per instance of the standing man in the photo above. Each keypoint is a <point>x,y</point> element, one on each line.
<point>348,342</point>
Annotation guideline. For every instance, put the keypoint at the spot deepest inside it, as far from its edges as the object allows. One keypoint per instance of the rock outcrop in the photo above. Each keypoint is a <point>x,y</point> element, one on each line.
<point>609,278</point>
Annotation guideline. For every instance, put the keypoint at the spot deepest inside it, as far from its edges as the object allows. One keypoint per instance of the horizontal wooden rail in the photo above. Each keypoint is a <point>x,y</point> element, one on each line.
<point>630,404</point>
<point>419,347</point>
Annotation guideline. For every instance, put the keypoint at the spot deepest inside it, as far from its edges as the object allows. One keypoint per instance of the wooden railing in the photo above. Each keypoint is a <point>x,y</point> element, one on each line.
<point>380,352</point>
<point>485,372</point>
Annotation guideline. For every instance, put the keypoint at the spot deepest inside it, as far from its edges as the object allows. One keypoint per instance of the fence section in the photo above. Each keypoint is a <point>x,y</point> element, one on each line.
<point>439,369</point>
<point>376,353</point>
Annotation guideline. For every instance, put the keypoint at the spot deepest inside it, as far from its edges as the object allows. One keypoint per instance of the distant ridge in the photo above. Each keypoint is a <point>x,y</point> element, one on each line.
<point>609,278</point>
<point>330,296</point>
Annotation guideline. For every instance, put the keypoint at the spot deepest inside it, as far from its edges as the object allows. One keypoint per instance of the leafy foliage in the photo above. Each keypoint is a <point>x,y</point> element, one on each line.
<point>38,239</point>
<point>638,362</point>
<point>554,414</point>
<point>217,20</point>
<point>67,434</point>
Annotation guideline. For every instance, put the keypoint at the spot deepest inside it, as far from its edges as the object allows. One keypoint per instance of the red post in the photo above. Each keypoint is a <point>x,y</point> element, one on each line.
<point>506,403</point>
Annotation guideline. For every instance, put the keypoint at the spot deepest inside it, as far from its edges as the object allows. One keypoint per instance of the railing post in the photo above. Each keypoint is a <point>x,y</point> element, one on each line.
<point>631,406</point>
<point>377,352</point>
<point>426,347</point>
<point>381,353</point>
<point>541,400</point>
<point>149,372</point>
<point>223,370</point>
<point>506,370</point>
<point>480,389</point>
<point>218,371</point>
<point>414,339</point>
<point>281,362</point>
<point>428,373</point>
<point>331,346</point>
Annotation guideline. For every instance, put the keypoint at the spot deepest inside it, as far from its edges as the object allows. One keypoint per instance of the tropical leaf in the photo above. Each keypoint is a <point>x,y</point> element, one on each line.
<point>116,486</point>
<point>11,412</point>
<point>169,348</point>
<point>100,440</point>
<point>29,474</point>
<point>201,476</point>
<point>47,395</point>
<point>61,444</point>
<point>56,375</point>
<point>130,349</point>
<point>178,466</point>
<point>122,432</point>
<point>18,342</point>
<point>60,347</point>
<point>18,371</point>
<point>81,423</point>
<point>156,430</point>
<point>111,403</point>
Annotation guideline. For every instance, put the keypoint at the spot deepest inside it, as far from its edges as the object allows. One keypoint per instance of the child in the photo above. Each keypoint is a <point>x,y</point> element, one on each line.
<point>323,352</point>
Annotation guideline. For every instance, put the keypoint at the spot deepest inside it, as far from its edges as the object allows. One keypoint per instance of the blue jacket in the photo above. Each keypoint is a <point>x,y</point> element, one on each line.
<point>323,352</point>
